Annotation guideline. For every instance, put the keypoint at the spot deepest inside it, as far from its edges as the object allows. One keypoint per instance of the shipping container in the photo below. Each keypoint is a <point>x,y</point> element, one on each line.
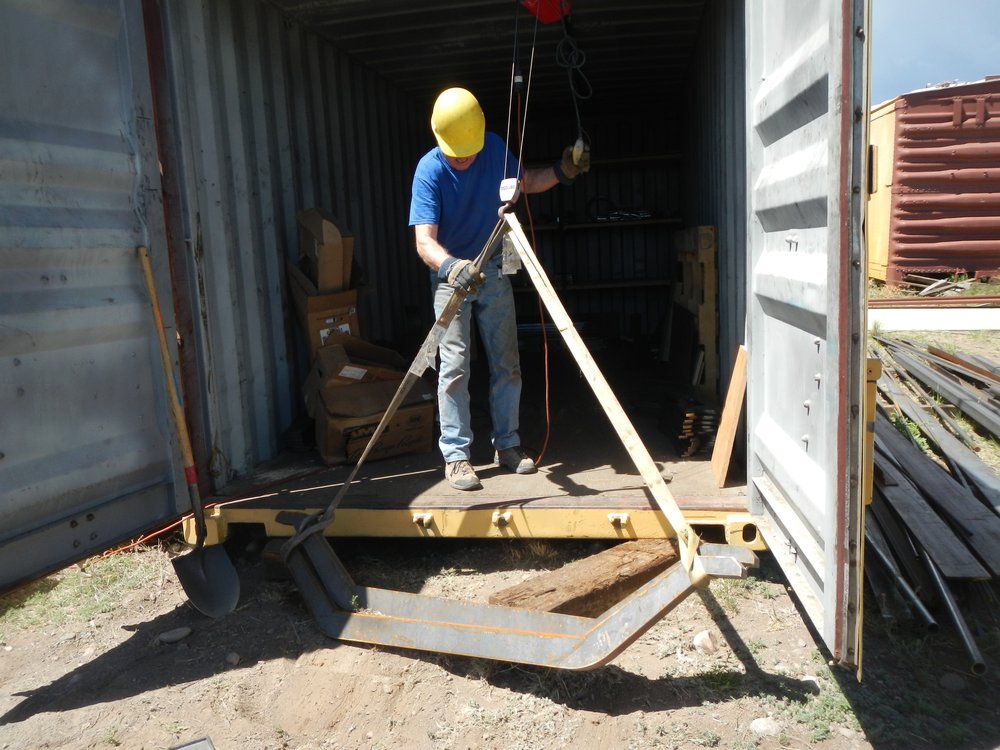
<point>724,207</point>
<point>934,198</point>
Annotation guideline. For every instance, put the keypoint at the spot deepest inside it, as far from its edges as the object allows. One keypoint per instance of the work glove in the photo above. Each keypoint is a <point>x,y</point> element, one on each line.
<point>461,274</point>
<point>567,170</point>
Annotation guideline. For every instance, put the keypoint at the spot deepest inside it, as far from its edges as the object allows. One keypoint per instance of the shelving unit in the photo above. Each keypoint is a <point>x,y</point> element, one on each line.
<point>606,243</point>
<point>610,224</point>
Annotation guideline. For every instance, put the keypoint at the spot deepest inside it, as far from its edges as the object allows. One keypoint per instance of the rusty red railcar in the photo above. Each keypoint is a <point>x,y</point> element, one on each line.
<point>934,206</point>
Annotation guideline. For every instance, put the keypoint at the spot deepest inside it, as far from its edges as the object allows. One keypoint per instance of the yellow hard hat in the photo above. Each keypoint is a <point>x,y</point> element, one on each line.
<point>458,123</point>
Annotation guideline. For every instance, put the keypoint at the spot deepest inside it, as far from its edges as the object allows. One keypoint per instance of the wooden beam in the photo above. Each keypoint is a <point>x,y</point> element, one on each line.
<point>591,586</point>
<point>946,549</point>
<point>979,525</point>
<point>731,411</point>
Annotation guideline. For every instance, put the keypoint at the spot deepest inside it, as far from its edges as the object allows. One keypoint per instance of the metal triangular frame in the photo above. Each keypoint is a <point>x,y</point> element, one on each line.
<point>346,611</point>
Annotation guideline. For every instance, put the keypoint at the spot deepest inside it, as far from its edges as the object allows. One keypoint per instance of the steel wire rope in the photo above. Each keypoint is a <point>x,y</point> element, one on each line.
<point>572,58</point>
<point>521,122</point>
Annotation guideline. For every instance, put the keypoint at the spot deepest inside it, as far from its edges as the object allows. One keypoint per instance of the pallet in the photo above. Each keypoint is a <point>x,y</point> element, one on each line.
<point>697,291</point>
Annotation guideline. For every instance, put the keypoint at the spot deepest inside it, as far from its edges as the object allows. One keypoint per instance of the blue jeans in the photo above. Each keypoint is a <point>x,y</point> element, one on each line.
<point>492,305</point>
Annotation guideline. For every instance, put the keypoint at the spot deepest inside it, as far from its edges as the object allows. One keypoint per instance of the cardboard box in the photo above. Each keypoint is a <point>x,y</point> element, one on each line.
<point>346,360</point>
<point>347,417</point>
<point>343,439</point>
<point>340,363</point>
<point>310,393</point>
<point>321,315</point>
<point>327,249</point>
<point>367,399</point>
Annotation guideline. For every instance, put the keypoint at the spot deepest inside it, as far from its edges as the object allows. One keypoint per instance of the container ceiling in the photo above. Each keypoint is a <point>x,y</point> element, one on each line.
<point>634,51</point>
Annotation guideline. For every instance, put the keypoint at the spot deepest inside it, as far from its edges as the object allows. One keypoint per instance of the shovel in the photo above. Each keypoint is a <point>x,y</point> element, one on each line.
<point>206,574</point>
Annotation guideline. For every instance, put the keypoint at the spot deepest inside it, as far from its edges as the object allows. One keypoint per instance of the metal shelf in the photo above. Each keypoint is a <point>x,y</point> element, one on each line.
<point>607,224</point>
<point>597,285</point>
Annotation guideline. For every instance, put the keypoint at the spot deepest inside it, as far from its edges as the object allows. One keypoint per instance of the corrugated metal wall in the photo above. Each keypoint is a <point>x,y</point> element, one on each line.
<point>85,436</point>
<point>715,165</point>
<point>945,214</point>
<point>273,120</point>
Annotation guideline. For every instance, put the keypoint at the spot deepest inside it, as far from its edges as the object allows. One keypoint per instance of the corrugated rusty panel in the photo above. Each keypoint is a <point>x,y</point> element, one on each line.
<point>945,215</point>
<point>273,119</point>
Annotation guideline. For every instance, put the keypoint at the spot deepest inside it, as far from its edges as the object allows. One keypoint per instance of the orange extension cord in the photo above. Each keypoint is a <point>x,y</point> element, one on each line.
<point>541,311</point>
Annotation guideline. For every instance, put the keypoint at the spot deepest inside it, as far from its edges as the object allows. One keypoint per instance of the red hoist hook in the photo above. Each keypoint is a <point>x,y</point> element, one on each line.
<point>548,11</point>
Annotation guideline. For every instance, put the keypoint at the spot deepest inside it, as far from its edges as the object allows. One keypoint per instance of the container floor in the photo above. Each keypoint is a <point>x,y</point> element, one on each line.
<point>584,476</point>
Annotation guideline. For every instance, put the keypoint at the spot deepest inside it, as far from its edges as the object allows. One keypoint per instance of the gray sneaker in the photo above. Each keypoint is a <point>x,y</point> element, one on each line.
<point>516,460</point>
<point>461,475</point>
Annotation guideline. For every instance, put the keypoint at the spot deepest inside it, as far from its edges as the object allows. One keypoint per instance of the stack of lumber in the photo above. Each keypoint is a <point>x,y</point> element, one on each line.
<point>930,286</point>
<point>933,527</point>
<point>690,424</point>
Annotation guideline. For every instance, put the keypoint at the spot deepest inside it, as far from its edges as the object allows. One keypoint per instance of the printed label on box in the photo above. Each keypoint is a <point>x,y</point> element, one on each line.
<point>352,372</point>
<point>324,333</point>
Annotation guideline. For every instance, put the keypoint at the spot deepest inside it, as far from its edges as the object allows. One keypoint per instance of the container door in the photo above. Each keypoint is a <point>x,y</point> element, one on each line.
<point>86,453</point>
<point>806,99</point>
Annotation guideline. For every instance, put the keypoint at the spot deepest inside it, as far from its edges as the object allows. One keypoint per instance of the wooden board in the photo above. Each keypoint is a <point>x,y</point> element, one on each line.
<point>599,385</point>
<point>979,525</point>
<point>731,411</point>
<point>944,547</point>
<point>591,586</point>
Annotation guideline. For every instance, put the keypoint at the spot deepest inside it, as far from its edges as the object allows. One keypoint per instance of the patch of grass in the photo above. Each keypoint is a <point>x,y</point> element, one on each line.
<point>910,430</point>
<point>980,289</point>
<point>721,680</point>
<point>822,712</point>
<point>708,739</point>
<point>881,290</point>
<point>175,728</point>
<point>80,592</point>
<point>729,591</point>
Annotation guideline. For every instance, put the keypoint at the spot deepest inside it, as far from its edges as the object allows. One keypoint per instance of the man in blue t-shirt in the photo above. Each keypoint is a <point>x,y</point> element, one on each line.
<point>453,211</point>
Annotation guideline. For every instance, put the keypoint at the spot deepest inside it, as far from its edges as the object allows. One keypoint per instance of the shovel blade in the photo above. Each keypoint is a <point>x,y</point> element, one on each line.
<point>209,579</point>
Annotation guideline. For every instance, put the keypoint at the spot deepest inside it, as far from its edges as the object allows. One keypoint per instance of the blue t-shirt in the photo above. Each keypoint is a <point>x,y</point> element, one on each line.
<point>463,204</point>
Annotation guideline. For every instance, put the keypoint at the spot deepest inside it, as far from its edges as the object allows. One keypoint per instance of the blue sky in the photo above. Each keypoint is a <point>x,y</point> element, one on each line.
<point>917,42</point>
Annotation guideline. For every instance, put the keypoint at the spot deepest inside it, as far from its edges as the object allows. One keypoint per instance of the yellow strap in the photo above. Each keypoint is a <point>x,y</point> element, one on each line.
<point>687,540</point>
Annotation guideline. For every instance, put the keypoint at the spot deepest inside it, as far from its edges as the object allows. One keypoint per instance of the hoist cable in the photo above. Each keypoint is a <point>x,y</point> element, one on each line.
<point>514,73</point>
<point>545,336</point>
<point>572,58</point>
<point>527,95</point>
<point>521,119</point>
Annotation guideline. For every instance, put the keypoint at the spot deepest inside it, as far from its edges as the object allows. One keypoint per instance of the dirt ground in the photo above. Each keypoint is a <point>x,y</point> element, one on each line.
<point>110,654</point>
<point>83,665</point>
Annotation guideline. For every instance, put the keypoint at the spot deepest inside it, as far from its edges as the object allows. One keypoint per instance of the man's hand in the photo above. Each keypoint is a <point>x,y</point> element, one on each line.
<point>567,170</point>
<point>461,274</point>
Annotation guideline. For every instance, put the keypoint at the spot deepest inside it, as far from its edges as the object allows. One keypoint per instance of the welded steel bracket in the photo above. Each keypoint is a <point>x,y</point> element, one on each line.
<point>360,614</point>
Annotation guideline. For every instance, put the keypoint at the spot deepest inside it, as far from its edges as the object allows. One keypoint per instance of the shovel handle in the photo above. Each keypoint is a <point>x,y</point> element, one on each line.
<point>190,473</point>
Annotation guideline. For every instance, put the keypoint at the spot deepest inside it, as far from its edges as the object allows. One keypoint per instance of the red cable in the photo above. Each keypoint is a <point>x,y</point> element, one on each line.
<point>541,313</point>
